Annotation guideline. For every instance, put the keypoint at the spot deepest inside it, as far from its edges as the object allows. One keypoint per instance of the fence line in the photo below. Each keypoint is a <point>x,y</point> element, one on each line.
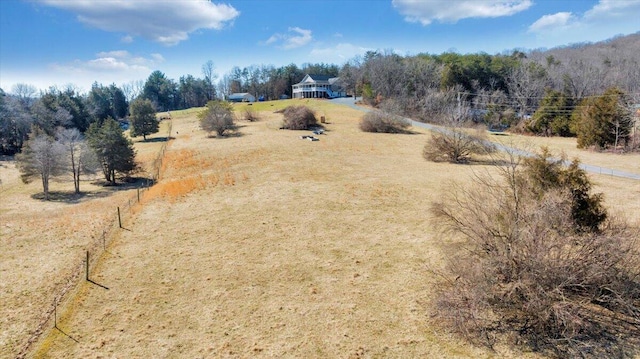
<point>97,247</point>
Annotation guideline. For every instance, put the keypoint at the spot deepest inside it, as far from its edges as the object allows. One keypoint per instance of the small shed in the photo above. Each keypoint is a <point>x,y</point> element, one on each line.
<point>242,97</point>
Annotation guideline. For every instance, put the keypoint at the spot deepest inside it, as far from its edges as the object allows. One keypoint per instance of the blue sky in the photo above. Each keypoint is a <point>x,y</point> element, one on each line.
<point>60,42</point>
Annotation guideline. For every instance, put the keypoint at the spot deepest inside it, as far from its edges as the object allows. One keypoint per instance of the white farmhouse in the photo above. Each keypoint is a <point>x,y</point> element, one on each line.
<point>318,86</point>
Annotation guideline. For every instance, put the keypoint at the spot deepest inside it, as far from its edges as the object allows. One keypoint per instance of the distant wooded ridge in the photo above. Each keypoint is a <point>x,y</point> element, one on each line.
<point>501,89</point>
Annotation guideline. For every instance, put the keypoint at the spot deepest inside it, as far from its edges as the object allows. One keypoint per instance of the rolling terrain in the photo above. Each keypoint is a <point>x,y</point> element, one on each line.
<point>255,245</point>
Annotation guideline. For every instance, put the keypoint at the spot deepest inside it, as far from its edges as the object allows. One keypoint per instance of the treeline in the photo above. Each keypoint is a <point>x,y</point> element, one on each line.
<point>590,90</point>
<point>517,80</point>
<point>25,108</point>
<point>536,91</point>
<point>270,82</point>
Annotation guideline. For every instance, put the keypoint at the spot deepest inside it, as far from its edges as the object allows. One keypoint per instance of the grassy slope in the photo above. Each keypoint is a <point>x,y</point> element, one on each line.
<point>43,243</point>
<point>268,245</point>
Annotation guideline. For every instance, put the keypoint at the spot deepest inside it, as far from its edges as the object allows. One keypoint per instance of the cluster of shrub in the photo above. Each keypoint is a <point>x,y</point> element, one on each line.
<point>542,263</point>
<point>219,117</point>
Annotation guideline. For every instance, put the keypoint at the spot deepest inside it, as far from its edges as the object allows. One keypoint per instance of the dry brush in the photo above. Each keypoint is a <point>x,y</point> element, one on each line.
<point>531,274</point>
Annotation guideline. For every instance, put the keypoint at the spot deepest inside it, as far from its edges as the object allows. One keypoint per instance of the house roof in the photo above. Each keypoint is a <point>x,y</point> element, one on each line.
<point>320,77</point>
<point>239,95</point>
<point>311,78</point>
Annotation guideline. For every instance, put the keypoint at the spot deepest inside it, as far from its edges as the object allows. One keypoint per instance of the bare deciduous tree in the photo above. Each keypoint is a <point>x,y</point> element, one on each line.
<point>81,158</point>
<point>41,157</point>
<point>224,86</point>
<point>583,78</point>
<point>15,122</point>
<point>526,85</point>
<point>25,92</point>
<point>208,71</point>
<point>128,91</point>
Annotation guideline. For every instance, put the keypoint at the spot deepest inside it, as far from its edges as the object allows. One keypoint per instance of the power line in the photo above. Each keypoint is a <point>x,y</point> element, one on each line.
<point>631,94</point>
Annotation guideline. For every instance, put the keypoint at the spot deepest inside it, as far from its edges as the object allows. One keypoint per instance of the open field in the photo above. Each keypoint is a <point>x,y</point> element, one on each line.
<point>257,245</point>
<point>43,244</point>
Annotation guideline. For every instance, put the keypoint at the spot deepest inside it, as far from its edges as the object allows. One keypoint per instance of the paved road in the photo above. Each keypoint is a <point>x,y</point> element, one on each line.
<point>350,101</point>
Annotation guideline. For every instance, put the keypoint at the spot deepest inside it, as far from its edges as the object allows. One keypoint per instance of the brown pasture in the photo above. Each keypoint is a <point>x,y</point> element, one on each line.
<point>255,245</point>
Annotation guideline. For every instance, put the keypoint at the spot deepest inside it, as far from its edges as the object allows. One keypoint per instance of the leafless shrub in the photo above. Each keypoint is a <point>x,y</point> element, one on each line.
<point>456,145</point>
<point>527,276</point>
<point>383,122</point>
<point>299,118</point>
<point>218,117</point>
<point>250,115</point>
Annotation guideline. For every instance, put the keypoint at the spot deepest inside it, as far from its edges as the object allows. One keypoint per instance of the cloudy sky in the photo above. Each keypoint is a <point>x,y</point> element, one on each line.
<point>60,42</point>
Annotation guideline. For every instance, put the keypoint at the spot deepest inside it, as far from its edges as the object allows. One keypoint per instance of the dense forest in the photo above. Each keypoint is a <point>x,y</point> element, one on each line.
<point>545,92</point>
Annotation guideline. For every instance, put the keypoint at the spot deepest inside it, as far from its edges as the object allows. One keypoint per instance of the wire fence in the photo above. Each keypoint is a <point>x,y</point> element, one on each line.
<point>95,249</point>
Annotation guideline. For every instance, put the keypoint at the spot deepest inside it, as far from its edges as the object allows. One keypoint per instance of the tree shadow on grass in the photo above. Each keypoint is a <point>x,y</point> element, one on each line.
<point>235,134</point>
<point>397,131</point>
<point>157,139</point>
<point>126,183</point>
<point>476,162</point>
<point>488,162</point>
<point>408,132</point>
<point>71,197</point>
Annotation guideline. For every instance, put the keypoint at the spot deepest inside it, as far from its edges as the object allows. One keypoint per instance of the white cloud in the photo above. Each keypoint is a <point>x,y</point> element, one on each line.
<point>605,19</point>
<point>106,67</point>
<point>157,57</point>
<point>167,22</point>
<point>273,39</point>
<point>552,22</point>
<point>341,52</point>
<point>114,62</point>
<point>106,64</point>
<point>303,38</point>
<point>610,9</point>
<point>296,37</point>
<point>445,11</point>
<point>117,53</point>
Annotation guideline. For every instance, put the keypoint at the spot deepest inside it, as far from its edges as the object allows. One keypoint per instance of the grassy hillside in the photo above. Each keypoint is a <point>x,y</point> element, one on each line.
<point>260,244</point>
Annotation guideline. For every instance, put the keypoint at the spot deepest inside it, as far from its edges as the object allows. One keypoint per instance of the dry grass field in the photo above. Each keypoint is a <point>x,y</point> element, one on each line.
<point>43,244</point>
<point>255,245</point>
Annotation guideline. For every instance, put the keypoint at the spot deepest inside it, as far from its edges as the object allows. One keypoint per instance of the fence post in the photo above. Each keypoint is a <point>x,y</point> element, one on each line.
<point>119,218</point>
<point>55,313</point>
<point>87,267</point>
<point>138,194</point>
